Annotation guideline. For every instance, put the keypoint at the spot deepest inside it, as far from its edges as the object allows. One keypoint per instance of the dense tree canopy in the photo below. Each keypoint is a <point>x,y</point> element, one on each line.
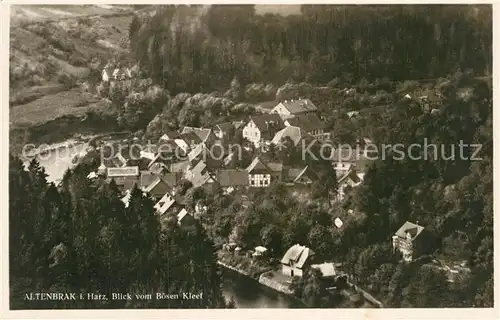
<point>201,49</point>
<point>81,239</point>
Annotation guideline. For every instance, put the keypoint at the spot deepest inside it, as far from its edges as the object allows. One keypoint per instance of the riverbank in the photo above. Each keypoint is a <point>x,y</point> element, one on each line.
<point>256,293</point>
<point>271,280</point>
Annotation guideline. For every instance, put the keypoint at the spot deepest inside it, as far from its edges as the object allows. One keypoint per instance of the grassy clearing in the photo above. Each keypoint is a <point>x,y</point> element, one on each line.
<point>51,107</point>
<point>33,93</point>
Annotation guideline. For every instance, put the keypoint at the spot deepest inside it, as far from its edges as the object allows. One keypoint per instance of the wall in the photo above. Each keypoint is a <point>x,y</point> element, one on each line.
<point>252,133</point>
<point>259,180</point>
<point>287,270</point>
<point>274,285</point>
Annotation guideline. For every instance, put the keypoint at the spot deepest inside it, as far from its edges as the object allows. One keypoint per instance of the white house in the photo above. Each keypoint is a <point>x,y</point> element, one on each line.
<point>290,108</point>
<point>295,260</point>
<point>262,128</point>
<point>259,175</point>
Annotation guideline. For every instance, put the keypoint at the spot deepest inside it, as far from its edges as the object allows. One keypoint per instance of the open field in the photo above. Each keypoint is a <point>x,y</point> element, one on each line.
<point>53,106</point>
<point>37,13</point>
<point>54,48</point>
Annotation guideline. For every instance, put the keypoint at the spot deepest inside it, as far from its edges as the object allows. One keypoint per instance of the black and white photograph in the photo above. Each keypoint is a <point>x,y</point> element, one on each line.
<point>250,156</point>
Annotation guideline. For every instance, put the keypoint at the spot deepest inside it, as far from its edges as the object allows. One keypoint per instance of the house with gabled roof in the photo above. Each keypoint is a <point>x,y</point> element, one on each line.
<point>302,176</point>
<point>230,179</point>
<point>188,140</point>
<point>107,73</point>
<point>296,259</point>
<point>168,136</point>
<point>206,135</point>
<point>158,188</point>
<point>311,124</point>
<point>124,177</point>
<point>350,179</point>
<point>185,220</point>
<point>409,240</point>
<point>222,129</point>
<point>291,132</point>
<point>262,128</point>
<point>290,108</point>
<point>259,174</point>
<point>167,203</point>
<point>200,176</point>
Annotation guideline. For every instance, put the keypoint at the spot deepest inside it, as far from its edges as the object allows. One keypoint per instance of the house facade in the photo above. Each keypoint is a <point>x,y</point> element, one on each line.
<point>125,177</point>
<point>408,240</point>
<point>291,108</point>
<point>259,175</point>
<point>351,179</point>
<point>261,129</point>
<point>296,260</point>
<point>311,124</point>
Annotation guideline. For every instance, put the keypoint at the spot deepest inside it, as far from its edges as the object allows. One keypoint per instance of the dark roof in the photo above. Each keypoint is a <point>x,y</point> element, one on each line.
<point>225,127</point>
<point>257,165</point>
<point>190,138</point>
<point>299,106</point>
<point>352,175</point>
<point>126,184</point>
<point>307,122</point>
<point>179,166</point>
<point>172,178</point>
<point>159,187</point>
<point>202,133</point>
<point>147,178</point>
<point>295,174</point>
<point>408,227</point>
<point>264,121</point>
<point>232,177</point>
<point>169,135</point>
<point>275,166</point>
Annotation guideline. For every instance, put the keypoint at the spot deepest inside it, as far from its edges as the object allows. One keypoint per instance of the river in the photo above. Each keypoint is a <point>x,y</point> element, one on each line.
<point>248,293</point>
<point>58,160</point>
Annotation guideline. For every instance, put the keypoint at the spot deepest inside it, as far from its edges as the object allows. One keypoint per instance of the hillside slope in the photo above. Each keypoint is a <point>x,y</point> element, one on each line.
<point>56,56</point>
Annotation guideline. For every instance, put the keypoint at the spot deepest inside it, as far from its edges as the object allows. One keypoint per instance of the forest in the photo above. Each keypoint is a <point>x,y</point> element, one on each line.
<point>199,49</point>
<point>80,238</point>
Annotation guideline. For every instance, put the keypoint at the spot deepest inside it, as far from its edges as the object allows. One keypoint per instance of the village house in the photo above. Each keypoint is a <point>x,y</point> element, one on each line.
<point>232,179</point>
<point>207,136</point>
<point>168,204</point>
<point>180,167</point>
<point>259,175</point>
<point>291,108</point>
<point>262,128</point>
<point>124,177</point>
<point>158,188</point>
<point>169,136</point>
<point>291,132</point>
<point>186,221</point>
<point>223,129</point>
<point>311,124</point>
<point>276,169</point>
<point>187,141</point>
<point>300,176</point>
<point>110,73</point>
<point>350,179</point>
<point>200,176</point>
<point>330,270</point>
<point>345,159</point>
<point>296,260</point>
<point>408,240</point>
